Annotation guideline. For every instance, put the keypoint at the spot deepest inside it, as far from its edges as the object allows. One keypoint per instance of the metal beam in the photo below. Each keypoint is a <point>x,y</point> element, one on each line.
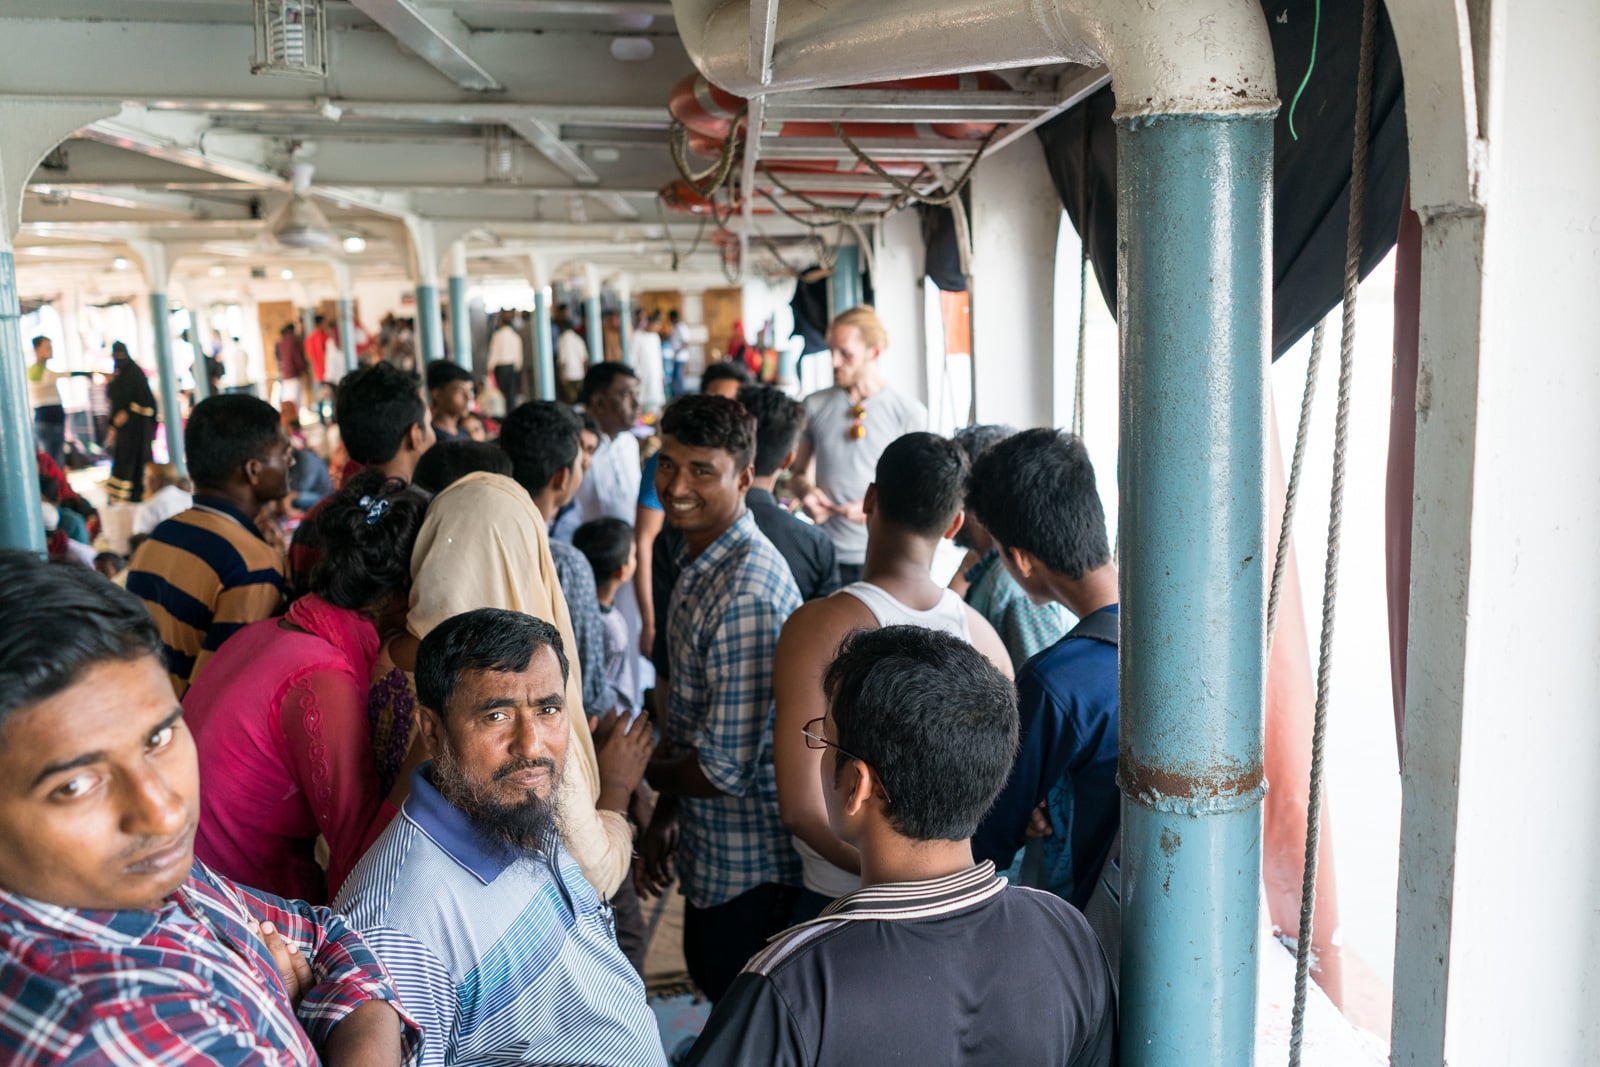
<point>435,35</point>
<point>545,136</point>
<point>763,36</point>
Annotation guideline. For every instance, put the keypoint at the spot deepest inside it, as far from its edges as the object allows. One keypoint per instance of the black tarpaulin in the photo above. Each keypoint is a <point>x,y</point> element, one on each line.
<point>1311,204</point>
<point>811,309</point>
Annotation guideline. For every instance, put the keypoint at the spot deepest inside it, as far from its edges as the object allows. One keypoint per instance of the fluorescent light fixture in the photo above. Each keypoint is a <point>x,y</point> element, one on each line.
<point>286,274</point>
<point>120,263</point>
<point>217,270</point>
<point>355,244</point>
<point>632,49</point>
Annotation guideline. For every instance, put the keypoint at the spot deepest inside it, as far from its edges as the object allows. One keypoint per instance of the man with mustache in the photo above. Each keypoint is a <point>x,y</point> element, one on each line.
<point>497,943</point>
<point>116,946</point>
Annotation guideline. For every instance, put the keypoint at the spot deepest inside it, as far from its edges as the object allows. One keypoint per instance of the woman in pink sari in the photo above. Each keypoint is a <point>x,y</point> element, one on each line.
<point>279,714</point>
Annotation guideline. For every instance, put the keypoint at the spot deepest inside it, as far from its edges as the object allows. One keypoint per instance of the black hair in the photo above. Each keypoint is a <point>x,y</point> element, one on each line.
<point>779,420</point>
<point>49,488</point>
<point>599,376</point>
<point>450,461</point>
<point>605,543</point>
<point>1036,491</point>
<point>367,531</point>
<point>725,371</point>
<point>541,437</point>
<point>288,328</point>
<point>712,422</point>
<point>375,408</point>
<point>920,479</point>
<point>588,421</point>
<point>672,315</point>
<point>58,622</point>
<point>441,372</point>
<point>225,432</point>
<point>487,639</point>
<point>37,341</point>
<point>932,717</point>
<point>976,440</point>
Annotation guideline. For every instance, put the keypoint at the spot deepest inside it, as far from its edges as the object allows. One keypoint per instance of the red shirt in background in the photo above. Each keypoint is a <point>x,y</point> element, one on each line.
<point>317,354</point>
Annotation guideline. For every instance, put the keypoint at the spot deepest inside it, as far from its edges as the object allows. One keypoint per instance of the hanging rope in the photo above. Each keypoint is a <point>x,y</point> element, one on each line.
<point>1330,572</point>
<point>908,190</point>
<point>1292,492</point>
<point>1083,287</point>
<point>710,180</point>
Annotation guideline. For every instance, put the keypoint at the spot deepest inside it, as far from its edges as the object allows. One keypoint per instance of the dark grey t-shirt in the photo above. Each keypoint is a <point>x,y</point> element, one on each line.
<point>846,464</point>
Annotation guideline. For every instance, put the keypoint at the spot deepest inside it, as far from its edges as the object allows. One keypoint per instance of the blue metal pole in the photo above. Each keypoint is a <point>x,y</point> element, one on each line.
<point>544,357</point>
<point>171,418</point>
<point>21,518</point>
<point>460,324</point>
<point>844,286</point>
<point>625,331</point>
<point>1194,216</point>
<point>591,315</point>
<point>430,326</point>
<point>347,333</point>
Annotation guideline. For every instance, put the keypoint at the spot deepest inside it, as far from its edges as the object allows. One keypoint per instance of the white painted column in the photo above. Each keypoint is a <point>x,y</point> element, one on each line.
<point>1496,958</point>
<point>694,314</point>
<point>897,269</point>
<point>1015,216</point>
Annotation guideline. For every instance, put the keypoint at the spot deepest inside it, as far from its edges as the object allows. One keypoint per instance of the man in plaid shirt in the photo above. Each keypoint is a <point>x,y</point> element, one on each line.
<point>719,803</point>
<point>119,948</point>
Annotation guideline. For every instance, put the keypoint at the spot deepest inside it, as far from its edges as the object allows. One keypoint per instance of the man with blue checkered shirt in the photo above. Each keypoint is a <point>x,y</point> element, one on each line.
<point>717,819</point>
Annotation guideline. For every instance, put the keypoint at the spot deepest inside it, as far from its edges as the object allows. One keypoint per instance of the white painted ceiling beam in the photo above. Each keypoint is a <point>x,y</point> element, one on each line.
<point>436,35</point>
<point>546,137</point>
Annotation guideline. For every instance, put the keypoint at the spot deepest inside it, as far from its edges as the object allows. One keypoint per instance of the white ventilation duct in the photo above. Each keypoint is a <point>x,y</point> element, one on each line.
<point>1165,56</point>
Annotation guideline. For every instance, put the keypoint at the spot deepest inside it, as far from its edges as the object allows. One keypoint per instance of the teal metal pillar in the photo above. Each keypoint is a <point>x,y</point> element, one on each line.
<point>625,329</point>
<point>1194,214</point>
<point>347,333</point>
<point>844,285</point>
<point>591,318</point>
<point>430,325</point>
<point>544,357</point>
<point>197,342</point>
<point>21,517</point>
<point>171,419</point>
<point>460,324</point>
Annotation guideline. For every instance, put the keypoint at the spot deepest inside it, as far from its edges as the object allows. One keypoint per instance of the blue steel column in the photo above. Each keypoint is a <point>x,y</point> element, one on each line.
<point>1194,218</point>
<point>460,325</point>
<point>844,285</point>
<point>21,519</point>
<point>430,326</point>
<point>171,414</point>
<point>544,358</point>
<point>591,319</point>
<point>347,333</point>
<point>625,330</point>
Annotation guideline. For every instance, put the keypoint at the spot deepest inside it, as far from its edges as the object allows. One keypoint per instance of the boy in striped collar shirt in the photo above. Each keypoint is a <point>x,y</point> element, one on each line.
<point>920,732</point>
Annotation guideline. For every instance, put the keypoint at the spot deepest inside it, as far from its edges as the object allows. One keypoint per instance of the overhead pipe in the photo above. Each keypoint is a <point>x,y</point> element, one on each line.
<point>1196,96</point>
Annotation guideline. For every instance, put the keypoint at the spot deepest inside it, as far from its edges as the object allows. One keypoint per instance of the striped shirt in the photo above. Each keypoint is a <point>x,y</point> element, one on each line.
<point>502,957</point>
<point>189,982</point>
<point>205,574</point>
<point>970,970</point>
<point>728,607</point>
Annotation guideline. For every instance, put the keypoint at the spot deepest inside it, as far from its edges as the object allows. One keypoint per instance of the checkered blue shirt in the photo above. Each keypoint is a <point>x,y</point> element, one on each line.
<point>728,606</point>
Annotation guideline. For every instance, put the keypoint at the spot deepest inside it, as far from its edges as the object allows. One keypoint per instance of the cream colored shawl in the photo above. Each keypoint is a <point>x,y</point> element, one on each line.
<point>484,545</point>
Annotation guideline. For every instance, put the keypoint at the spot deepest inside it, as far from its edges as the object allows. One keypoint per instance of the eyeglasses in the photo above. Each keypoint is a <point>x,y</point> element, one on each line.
<point>814,739</point>
<point>858,421</point>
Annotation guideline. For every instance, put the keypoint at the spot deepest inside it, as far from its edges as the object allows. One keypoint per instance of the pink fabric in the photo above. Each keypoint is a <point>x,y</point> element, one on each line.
<point>286,752</point>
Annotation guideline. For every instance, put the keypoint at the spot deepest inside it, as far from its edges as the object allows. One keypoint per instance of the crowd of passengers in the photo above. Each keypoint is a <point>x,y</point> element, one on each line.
<point>391,792</point>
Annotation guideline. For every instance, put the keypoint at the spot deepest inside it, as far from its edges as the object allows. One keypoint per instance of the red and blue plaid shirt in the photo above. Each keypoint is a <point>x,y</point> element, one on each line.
<point>189,983</point>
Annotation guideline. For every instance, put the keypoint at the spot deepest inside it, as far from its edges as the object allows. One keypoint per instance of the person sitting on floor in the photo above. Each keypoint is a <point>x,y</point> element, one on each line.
<point>918,736</point>
<point>498,944</point>
<point>116,945</point>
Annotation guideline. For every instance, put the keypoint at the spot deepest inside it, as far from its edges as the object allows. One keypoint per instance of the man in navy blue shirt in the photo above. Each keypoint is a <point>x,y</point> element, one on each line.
<point>1035,494</point>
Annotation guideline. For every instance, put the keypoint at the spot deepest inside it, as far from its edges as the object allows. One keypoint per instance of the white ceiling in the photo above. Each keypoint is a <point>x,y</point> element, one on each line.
<point>201,149</point>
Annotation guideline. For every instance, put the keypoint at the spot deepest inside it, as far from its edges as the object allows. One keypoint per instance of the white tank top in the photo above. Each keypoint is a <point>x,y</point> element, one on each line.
<point>948,616</point>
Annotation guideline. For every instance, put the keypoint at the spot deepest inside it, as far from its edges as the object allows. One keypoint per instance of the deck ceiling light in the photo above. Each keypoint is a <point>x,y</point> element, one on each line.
<point>355,244</point>
<point>632,49</point>
<point>291,38</point>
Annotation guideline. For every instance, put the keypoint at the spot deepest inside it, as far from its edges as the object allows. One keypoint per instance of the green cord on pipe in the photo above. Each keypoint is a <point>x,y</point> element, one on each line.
<point>1316,26</point>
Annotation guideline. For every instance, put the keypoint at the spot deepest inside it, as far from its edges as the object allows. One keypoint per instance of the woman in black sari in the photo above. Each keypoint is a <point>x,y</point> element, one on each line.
<point>133,423</point>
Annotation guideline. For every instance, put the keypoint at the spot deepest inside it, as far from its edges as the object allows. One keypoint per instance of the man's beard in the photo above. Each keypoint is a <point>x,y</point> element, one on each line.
<point>532,825</point>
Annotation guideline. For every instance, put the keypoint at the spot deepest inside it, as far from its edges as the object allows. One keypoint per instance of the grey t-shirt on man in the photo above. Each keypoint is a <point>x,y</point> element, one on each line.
<point>846,463</point>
